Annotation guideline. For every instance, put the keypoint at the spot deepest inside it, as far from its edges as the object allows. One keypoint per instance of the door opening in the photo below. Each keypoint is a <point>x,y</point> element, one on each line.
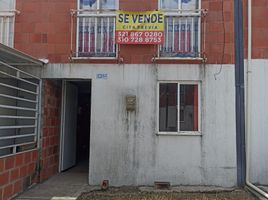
<point>75,134</point>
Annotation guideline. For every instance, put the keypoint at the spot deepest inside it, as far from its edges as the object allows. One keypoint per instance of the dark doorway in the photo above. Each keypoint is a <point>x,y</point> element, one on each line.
<point>76,126</point>
<point>83,126</point>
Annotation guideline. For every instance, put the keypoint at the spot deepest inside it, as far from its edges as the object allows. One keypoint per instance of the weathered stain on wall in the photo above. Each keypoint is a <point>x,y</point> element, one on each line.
<point>125,147</point>
<point>259,126</point>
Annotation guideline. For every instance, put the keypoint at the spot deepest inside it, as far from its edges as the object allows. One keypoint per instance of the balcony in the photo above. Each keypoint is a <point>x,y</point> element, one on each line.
<point>95,36</point>
<point>182,37</point>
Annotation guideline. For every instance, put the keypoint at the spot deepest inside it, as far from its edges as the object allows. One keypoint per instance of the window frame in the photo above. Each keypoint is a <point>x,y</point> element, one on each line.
<point>9,15</point>
<point>95,13</point>
<point>179,13</point>
<point>36,108</point>
<point>178,132</point>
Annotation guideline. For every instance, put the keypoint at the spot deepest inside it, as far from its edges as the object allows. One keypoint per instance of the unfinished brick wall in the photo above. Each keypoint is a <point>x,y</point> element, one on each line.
<point>17,172</point>
<point>42,29</point>
<point>218,36</point>
<point>219,31</point>
<point>260,29</point>
<point>51,129</point>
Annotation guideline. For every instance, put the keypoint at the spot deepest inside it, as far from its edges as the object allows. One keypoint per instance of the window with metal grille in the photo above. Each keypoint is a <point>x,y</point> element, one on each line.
<point>179,107</point>
<point>7,19</point>
<point>96,28</point>
<point>19,110</point>
<point>182,29</point>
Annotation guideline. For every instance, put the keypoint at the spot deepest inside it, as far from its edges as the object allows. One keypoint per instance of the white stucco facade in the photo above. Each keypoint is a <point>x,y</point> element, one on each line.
<point>125,147</point>
<point>258,134</point>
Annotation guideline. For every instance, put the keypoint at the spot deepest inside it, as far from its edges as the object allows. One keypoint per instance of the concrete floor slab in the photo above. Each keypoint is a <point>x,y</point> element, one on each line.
<point>67,185</point>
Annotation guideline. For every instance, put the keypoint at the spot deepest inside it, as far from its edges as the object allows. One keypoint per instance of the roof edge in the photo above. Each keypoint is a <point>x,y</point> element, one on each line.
<point>25,57</point>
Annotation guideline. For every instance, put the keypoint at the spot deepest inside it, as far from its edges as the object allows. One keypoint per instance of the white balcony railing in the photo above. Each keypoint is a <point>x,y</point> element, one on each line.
<point>7,28</point>
<point>95,36</point>
<point>182,37</point>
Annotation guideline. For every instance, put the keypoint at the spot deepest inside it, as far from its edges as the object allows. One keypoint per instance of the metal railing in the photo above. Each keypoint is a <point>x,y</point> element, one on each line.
<point>7,28</point>
<point>19,110</point>
<point>95,36</point>
<point>182,36</point>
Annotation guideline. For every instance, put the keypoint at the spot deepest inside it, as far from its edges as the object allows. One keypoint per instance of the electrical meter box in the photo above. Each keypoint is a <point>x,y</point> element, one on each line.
<point>131,103</point>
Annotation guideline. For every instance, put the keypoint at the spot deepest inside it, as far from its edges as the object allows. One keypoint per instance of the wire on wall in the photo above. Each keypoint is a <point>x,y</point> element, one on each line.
<point>223,48</point>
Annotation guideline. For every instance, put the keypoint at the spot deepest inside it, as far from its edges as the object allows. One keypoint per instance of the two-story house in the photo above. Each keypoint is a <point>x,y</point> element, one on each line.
<point>135,113</point>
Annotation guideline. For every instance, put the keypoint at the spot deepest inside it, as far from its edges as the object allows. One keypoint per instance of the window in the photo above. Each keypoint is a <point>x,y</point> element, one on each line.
<point>96,28</point>
<point>97,4</point>
<point>182,28</point>
<point>178,107</point>
<point>19,109</point>
<point>7,17</point>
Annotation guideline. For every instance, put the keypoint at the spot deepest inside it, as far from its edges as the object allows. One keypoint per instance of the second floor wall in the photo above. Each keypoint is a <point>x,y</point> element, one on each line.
<point>46,29</point>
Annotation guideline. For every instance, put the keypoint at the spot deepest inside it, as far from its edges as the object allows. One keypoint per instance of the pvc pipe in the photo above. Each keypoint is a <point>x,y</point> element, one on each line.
<point>249,104</point>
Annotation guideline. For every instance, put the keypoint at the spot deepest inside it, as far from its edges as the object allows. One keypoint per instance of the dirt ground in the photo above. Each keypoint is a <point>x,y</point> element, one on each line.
<point>135,194</point>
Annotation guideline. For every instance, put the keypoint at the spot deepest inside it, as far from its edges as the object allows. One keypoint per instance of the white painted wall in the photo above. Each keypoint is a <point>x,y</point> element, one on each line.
<point>6,5</point>
<point>124,146</point>
<point>259,134</point>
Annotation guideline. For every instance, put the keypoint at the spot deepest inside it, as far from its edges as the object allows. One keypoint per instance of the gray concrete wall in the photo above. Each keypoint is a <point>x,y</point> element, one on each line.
<point>259,134</point>
<point>125,147</point>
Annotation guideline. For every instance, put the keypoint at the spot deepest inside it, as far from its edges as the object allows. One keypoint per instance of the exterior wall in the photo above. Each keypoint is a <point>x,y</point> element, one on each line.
<point>47,35</point>
<point>211,158</point>
<point>124,146</point>
<point>49,32</point>
<point>260,29</point>
<point>50,129</point>
<point>42,29</point>
<point>259,136</point>
<point>219,31</point>
<point>17,173</point>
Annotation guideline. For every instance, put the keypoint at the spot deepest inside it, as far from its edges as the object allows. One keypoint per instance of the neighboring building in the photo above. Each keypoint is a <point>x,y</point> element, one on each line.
<point>139,113</point>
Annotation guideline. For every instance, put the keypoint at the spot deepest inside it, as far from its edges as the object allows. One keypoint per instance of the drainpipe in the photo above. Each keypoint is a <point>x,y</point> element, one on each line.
<point>239,94</point>
<point>249,105</point>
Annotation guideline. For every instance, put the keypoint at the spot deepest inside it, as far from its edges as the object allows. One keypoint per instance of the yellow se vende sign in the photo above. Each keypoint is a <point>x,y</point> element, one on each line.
<point>140,27</point>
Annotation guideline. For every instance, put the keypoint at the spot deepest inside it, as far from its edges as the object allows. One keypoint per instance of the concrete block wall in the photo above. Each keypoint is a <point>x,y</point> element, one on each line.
<point>42,29</point>
<point>260,29</point>
<point>50,129</point>
<point>17,172</point>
